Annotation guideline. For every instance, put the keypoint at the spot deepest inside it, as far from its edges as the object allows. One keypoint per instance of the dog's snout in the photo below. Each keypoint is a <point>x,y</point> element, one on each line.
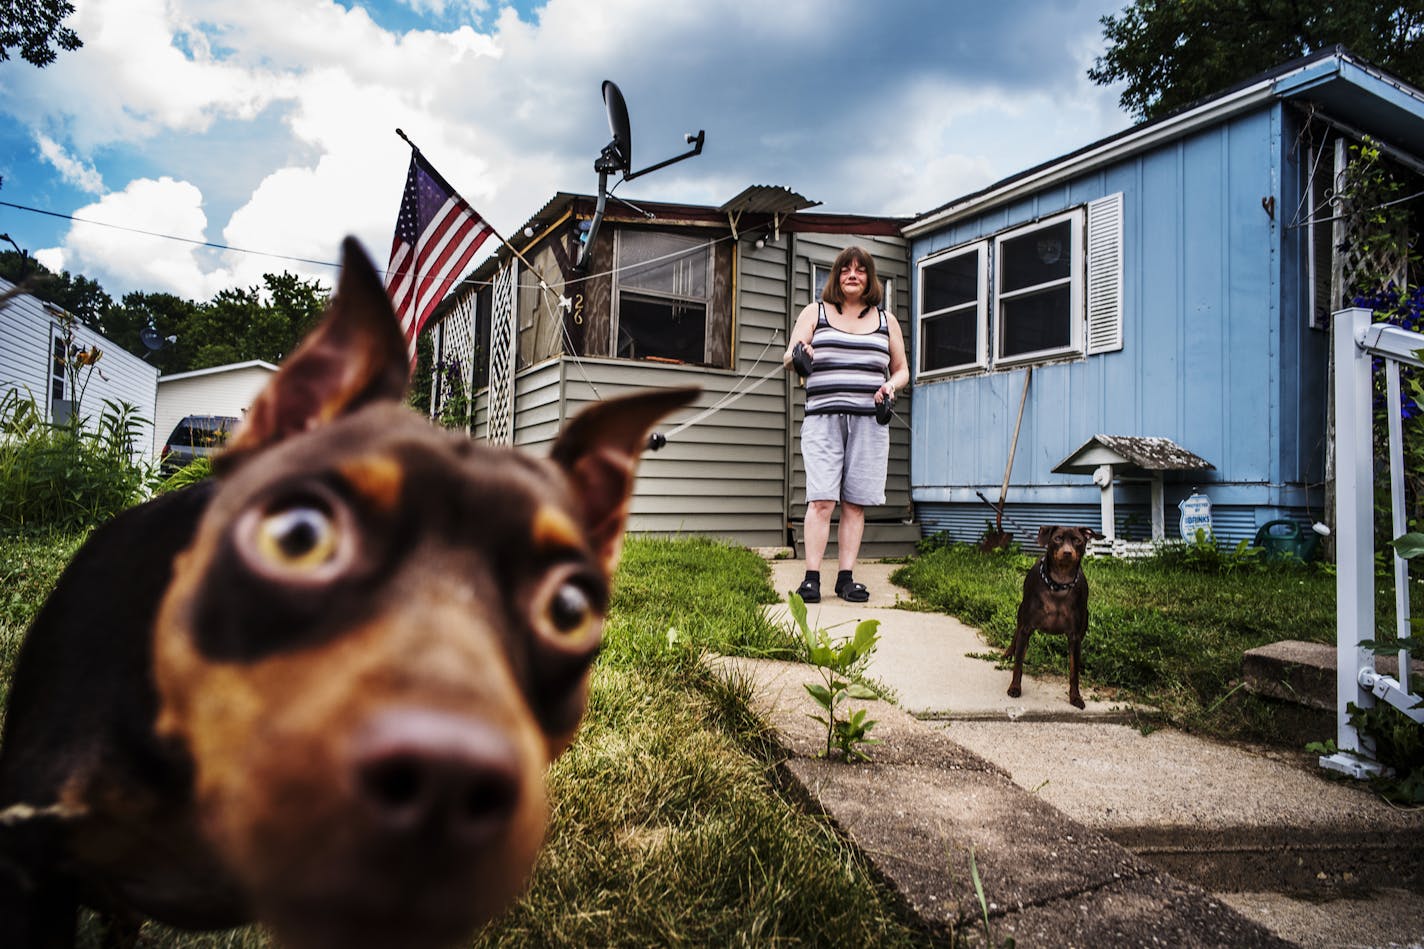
<point>442,776</point>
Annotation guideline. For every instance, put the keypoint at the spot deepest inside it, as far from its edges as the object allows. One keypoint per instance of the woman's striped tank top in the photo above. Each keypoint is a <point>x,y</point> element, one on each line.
<point>848,368</point>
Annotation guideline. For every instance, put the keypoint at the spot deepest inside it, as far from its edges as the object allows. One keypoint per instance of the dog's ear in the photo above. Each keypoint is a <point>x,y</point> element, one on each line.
<point>1090,534</point>
<point>600,449</point>
<point>1045,534</point>
<point>356,356</point>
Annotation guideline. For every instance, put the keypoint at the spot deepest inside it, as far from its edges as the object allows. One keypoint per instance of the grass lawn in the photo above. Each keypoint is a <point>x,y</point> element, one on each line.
<point>1169,632</point>
<point>668,827</point>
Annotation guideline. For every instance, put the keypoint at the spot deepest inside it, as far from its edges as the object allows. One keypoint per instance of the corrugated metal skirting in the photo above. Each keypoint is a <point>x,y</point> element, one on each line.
<point>966,523</point>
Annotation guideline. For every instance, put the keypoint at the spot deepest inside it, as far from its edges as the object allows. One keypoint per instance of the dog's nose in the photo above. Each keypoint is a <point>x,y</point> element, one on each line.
<point>432,774</point>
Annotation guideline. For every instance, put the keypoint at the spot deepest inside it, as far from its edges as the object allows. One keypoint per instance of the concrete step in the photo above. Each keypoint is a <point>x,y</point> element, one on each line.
<point>882,540</point>
<point>1299,672</point>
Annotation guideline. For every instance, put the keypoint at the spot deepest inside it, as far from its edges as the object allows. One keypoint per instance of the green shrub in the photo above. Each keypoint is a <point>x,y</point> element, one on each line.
<point>67,476</point>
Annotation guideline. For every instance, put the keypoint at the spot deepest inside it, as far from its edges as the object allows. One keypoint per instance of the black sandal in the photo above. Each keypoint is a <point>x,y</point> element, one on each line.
<point>809,591</point>
<point>852,592</point>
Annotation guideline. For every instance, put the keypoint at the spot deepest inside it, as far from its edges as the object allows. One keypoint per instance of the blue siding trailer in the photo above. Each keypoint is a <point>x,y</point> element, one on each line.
<point>1168,281</point>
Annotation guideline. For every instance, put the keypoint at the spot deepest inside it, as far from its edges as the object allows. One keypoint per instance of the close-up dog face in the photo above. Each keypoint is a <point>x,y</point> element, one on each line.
<point>377,642</point>
<point>379,638</point>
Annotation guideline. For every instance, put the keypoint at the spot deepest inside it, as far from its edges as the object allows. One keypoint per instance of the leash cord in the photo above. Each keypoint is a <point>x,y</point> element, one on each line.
<point>735,393</point>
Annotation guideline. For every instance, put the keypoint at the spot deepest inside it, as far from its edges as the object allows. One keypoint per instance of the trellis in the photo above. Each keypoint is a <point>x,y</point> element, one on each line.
<point>503,338</point>
<point>1389,261</point>
<point>455,352</point>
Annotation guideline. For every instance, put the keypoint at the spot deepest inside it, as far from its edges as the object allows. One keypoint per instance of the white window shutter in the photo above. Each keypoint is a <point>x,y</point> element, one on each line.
<point>1105,274</point>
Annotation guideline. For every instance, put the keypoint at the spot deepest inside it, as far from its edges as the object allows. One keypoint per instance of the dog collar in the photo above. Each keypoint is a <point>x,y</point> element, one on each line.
<point>1053,584</point>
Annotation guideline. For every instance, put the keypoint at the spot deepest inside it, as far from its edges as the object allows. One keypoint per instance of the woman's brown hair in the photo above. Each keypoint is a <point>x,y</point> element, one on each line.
<point>831,292</point>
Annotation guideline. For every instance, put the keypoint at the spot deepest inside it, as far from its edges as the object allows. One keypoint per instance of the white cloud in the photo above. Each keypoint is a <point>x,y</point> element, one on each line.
<point>121,256</point>
<point>134,77</point>
<point>82,175</point>
<point>890,114</point>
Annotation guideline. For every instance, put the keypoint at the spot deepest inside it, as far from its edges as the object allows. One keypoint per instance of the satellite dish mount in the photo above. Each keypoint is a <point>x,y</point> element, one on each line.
<point>617,156</point>
<point>153,341</point>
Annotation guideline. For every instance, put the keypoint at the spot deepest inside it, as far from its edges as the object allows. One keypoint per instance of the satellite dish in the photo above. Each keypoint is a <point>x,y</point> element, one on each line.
<point>150,339</point>
<point>617,157</point>
<point>620,150</point>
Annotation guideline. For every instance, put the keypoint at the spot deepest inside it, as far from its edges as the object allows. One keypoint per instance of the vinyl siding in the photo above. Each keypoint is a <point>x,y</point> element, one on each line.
<point>27,329</point>
<point>890,263</point>
<point>1215,353</point>
<point>729,475</point>
<point>222,391</point>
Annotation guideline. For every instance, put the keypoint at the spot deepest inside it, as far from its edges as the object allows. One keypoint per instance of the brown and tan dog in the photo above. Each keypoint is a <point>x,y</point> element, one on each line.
<point>320,690</point>
<point>1055,600</point>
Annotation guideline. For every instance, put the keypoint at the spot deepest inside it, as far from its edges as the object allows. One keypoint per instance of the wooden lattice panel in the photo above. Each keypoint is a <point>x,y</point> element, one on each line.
<point>457,357</point>
<point>503,333</point>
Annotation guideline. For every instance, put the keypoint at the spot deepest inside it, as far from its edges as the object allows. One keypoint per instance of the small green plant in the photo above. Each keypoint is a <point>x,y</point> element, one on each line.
<point>839,663</point>
<point>194,471</point>
<point>1008,942</point>
<point>1202,555</point>
<point>936,541</point>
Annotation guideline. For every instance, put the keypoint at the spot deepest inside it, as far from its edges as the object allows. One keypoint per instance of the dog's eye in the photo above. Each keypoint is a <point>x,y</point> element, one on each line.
<point>570,609</point>
<point>301,537</point>
<point>567,605</point>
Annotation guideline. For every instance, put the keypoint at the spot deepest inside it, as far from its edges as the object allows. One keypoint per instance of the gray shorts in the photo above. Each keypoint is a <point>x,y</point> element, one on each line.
<point>846,458</point>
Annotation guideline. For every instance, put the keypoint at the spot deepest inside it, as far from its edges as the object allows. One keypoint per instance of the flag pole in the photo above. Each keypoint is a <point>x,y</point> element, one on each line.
<point>496,233</point>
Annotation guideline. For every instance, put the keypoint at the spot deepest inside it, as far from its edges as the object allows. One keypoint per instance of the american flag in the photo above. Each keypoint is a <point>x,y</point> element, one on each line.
<point>437,234</point>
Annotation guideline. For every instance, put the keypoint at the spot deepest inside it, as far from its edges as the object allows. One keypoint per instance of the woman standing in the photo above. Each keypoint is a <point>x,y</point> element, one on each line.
<point>857,358</point>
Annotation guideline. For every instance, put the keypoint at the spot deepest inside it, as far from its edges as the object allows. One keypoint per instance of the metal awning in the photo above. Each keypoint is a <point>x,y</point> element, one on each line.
<point>774,200</point>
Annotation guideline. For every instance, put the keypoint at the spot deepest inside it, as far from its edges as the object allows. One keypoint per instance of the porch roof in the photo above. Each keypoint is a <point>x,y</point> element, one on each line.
<point>1143,452</point>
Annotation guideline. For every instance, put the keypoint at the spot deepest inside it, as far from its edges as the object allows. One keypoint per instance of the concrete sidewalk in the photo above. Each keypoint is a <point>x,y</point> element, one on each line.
<point>1086,831</point>
<point>925,658</point>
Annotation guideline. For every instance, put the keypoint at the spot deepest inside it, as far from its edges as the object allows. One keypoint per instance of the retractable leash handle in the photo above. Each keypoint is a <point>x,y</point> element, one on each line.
<point>885,409</point>
<point>801,360</point>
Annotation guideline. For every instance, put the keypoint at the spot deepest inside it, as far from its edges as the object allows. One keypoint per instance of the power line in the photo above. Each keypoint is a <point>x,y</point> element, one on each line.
<point>171,237</point>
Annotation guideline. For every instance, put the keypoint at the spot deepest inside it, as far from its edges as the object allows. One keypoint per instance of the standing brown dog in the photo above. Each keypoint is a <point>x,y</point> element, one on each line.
<point>319,690</point>
<point>1055,600</point>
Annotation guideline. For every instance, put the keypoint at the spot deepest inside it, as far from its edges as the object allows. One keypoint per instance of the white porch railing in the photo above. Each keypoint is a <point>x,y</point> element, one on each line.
<point>1357,343</point>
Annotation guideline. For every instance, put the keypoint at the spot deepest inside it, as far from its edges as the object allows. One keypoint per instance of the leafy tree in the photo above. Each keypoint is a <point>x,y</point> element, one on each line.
<point>16,266</point>
<point>82,297</point>
<point>78,294</point>
<point>300,304</point>
<point>168,314</point>
<point>218,328</point>
<point>1173,52</point>
<point>34,27</point>
<point>257,323</point>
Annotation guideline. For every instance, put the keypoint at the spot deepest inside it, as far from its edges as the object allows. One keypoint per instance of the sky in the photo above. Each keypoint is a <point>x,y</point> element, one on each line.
<point>267,127</point>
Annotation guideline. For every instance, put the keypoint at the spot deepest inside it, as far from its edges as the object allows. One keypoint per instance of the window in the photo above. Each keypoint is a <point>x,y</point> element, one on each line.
<point>60,406</point>
<point>662,296</point>
<point>953,293</point>
<point>1038,296</point>
<point>1037,291</point>
<point>56,371</point>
